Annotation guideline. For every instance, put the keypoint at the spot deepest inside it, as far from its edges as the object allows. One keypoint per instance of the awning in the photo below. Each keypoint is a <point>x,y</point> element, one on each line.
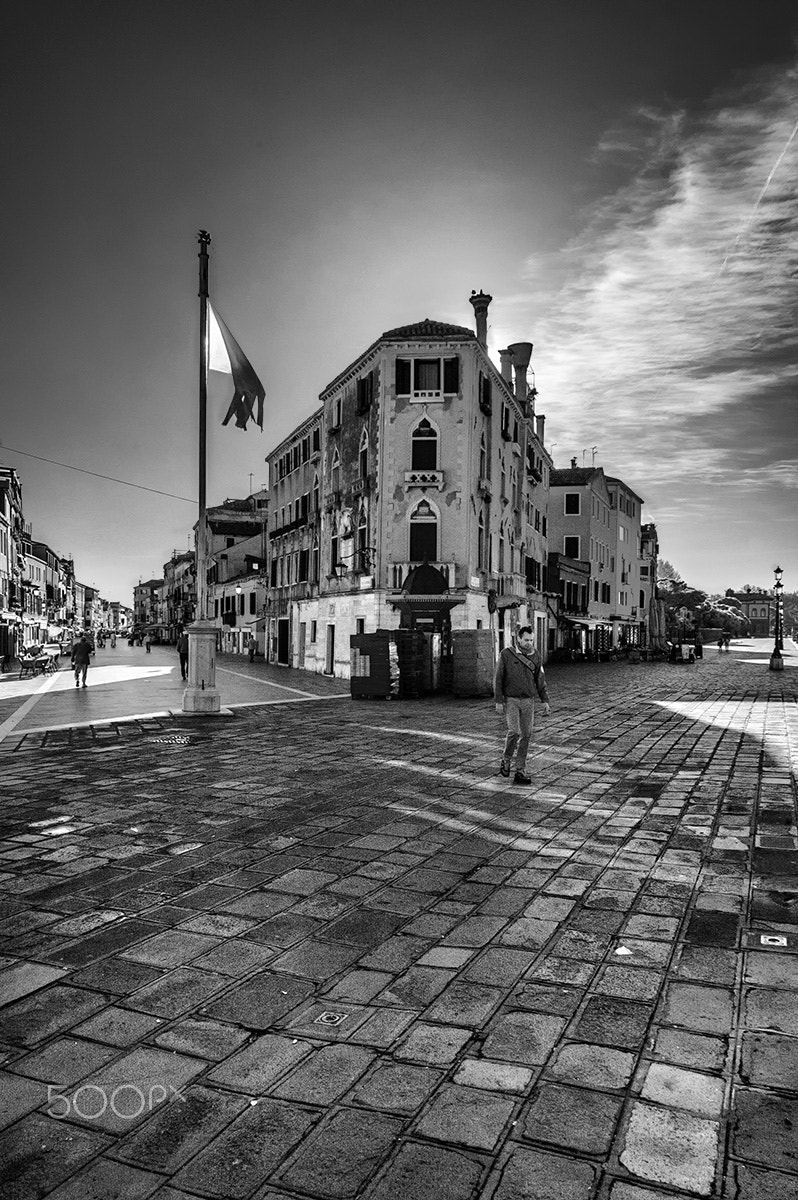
<point>587,622</point>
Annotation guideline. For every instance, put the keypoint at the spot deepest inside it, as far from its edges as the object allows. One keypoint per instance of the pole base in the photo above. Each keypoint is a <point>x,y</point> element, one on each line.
<point>776,661</point>
<point>202,701</point>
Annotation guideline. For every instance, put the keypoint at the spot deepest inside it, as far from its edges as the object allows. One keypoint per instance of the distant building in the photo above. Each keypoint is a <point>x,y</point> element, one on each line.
<point>758,607</point>
<point>147,600</point>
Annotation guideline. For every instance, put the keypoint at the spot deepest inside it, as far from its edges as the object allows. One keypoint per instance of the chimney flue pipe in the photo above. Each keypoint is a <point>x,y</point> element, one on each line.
<point>480,301</point>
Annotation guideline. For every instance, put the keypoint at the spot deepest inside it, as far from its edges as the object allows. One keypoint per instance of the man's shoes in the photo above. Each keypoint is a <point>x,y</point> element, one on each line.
<point>77,683</point>
<point>522,777</point>
<point>84,684</point>
<point>504,768</point>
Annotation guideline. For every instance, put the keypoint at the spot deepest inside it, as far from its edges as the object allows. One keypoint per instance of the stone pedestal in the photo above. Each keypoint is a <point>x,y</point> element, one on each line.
<point>776,661</point>
<point>201,696</point>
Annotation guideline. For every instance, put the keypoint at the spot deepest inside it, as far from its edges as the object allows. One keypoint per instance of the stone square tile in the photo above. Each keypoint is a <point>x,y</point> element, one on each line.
<point>383,1028</point>
<point>708,964</point>
<point>547,997</point>
<point>763,1128</point>
<point>115,975</point>
<point>325,1074</point>
<point>499,963</point>
<point>437,1045</point>
<point>25,977</point>
<point>611,1021</point>
<point>686,1049</point>
<point>396,953</point>
<point>260,1001</point>
<point>285,929</point>
<point>555,969</point>
<point>526,1038</point>
<point>465,1003</point>
<point>301,882</point>
<point>416,987</point>
<point>235,956</point>
<point>259,904</point>
<point>223,925</point>
<point>634,983</point>
<point>768,1060</point>
<point>474,931</point>
<point>337,1159</point>
<point>506,902</point>
<point>549,908</point>
<point>256,1067</point>
<point>317,960</point>
<point>117,1026</point>
<point>679,1088</point>
<point>171,948</point>
<point>772,970</point>
<point>467,1116</point>
<point>442,956</point>
<point>176,992</point>
<point>528,931</point>
<point>19,1096</point>
<point>593,1066</point>
<point>247,1151</point>
<point>396,1087</point>
<point>531,1174</point>
<point>756,1183</point>
<point>419,1171</point>
<point>493,1076</point>
<point>672,1148</point>
<point>656,928</point>
<point>571,1117</point>
<point>181,1129</point>
<point>63,1061</point>
<point>53,1009</point>
<point>704,1009</point>
<point>359,985</point>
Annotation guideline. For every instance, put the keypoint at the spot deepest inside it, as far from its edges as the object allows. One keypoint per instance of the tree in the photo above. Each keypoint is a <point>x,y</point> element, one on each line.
<point>668,578</point>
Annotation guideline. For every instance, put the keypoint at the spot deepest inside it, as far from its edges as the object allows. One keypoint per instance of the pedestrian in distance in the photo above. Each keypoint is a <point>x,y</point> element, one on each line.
<point>727,642</point>
<point>182,653</point>
<point>252,647</point>
<point>149,643</point>
<point>720,644</point>
<point>81,654</point>
<point>519,675</point>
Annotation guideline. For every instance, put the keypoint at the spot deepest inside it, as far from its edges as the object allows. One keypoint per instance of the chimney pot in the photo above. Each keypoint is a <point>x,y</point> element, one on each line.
<point>506,357</point>
<point>521,353</point>
<point>573,464</point>
<point>480,301</point>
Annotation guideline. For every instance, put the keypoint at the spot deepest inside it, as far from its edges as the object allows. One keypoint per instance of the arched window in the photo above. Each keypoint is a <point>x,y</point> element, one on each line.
<point>363,457</point>
<point>483,458</point>
<point>481,541</point>
<point>335,471</point>
<point>316,504</point>
<point>511,564</point>
<point>423,533</point>
<point>424,443</point>
<point>501,551</point>
<point>363,557</point>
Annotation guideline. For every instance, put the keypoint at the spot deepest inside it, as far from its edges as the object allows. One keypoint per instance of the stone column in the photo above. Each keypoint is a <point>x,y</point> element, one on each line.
<point>201,696</point>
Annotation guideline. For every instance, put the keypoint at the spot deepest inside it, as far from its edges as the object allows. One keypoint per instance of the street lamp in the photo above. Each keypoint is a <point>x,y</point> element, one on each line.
<point>776,661</point>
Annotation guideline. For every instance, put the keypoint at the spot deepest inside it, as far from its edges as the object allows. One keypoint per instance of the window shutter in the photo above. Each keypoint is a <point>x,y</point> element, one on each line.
<point>451,375</point>
<point>403,376</point>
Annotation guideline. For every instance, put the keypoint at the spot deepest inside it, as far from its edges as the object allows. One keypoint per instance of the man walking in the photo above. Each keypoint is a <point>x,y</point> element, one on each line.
<point>182,653</point>
<point>81,653</point>
<point>519,674</point>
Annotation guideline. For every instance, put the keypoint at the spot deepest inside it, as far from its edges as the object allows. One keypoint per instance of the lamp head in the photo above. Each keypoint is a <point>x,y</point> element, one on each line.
<point>777,571</point>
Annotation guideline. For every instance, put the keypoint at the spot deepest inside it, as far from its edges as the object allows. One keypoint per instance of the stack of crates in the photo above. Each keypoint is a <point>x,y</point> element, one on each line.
<point>374,665</point>
<point>473,664</point>
<point>414,669</point>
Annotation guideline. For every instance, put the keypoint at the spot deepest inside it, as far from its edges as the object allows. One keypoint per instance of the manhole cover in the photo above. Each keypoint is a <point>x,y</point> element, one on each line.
<point>173,741</point>
<point>331,1018</point>
<point>772,939</point>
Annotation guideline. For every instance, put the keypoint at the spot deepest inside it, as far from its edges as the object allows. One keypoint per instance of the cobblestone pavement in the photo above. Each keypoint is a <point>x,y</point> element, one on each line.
<point>325,951</point>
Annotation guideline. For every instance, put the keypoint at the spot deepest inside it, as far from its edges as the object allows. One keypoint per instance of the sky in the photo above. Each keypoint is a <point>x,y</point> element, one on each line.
<point>621,177</point>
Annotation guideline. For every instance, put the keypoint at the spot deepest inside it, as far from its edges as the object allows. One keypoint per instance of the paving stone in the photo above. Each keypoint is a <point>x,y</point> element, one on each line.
<point>419,1171</point>
<point>25,977</point>
<point>445,957</point>
<point>124,1092</point>
<point>610,1021</point>
<point>117,1026</point>
<point>176,992</point>
<point>691,1049</point>
<point>63,1061</point>
<point>537,1175</point>
<point>383,1028</point>
<point>713,928</point>
<point>416,987</point>
<point>396,1087</point>
<point>768,1060</point>
<point>258,1002</point>
<point>523,1037</point>
<point>755,1183</point>
<point>38,1153</point>
<point>549,908</point>
<point>499,964</point>
<point>493,1076</point>
<point>218,924</point>
<point>593,1066</point>
<point>396,953</point>
<point>438,1045</point>
<point>465,1115</point>
<point>301,882</point>
<point>679,1088</point>
<point>285,929</point>
<point>560,1001</point>
<point>635,983</point>
<point>108,1180</point>
<point>571,1117</point>
<point>708,964</point>
<point>259,904</point>
<point>237,956</point>
<point>763,1128</point>
<point>772,970</point>
<point>171,948</point>
<point>360,986</point>
<point>110,940</point>
<point>766,1008</point>
<point>38,1016</point>
<point>339,1158</point>
<point>255,1068</point>
<point>670,1147</point>
<point>181,1129</point>
<point>705,1009</point>
<point>19,1096</point>
<point>554,969</point>
<point>655,927</point>
<point>115,975</point>
<point>317,960</point>
<point>464,1003</point>
<point>528,931</point>
<point>325,1075</point>
<point>630,1191</point>
<point>245,1153</point>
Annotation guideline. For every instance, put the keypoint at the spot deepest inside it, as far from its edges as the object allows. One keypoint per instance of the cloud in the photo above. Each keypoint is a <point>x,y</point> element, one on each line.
<point>673,314</point>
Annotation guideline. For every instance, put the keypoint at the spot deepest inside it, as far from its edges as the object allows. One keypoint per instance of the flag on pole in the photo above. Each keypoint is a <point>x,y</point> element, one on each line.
<point>226,356</point>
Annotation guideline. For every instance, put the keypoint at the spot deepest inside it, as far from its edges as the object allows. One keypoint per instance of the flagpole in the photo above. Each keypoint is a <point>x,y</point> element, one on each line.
<point>204,240</point>
<point>201,697</point>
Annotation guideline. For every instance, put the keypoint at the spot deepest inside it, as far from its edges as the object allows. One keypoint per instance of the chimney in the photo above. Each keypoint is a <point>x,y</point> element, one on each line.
<point>507,369</point>
<point>481,300</point>
<point>573,464</point>
<point>540,428</point>
<point>521,353</point>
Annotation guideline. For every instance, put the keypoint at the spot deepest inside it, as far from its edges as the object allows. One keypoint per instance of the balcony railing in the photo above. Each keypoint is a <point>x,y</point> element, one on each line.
<point>424,479</point>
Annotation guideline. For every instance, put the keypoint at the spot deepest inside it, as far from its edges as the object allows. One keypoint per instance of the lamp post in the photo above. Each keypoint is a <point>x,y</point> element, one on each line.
<point>776,661</point>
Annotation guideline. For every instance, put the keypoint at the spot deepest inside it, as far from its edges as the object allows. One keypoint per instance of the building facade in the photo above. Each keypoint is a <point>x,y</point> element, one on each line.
<point>421,452</point>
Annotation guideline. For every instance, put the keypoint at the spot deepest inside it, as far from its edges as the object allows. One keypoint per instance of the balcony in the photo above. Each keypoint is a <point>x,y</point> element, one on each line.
<point>534,474</point>
<point>424,479</point>
<point>363,485</point>
<point>511,585</point>
<point>332,499</point>
<point>484,489</point>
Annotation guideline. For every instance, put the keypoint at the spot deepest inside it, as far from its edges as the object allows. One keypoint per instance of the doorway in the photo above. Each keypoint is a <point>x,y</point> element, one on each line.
<point>283,642</point>
<point>329,661</point>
